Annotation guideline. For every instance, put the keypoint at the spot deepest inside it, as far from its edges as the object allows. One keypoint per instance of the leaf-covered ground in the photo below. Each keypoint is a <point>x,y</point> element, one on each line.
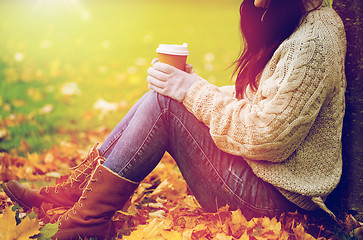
<point>70,70</point>
<point>161,208</point>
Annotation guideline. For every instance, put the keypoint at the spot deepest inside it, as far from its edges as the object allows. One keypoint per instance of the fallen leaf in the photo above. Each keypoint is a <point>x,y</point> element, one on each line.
<point>3,133</point>
<point>200,232</point>
<point>222,236</point>
<point>47,109</point>
<point>238,223</point>
<point>48,231</point>
<point>9,230</point>
<point>70,88</point>
<point>174,235</point>
<point>104,106</point>
<point>301,234</point>
<point>244,237</point>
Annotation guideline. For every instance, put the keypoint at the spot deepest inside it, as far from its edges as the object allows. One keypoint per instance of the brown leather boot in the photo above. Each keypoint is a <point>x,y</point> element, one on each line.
<point>61,195</point>
<point>105,193</point>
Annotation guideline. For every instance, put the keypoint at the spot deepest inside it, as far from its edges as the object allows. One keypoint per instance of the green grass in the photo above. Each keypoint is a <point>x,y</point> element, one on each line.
<point>105,47</point>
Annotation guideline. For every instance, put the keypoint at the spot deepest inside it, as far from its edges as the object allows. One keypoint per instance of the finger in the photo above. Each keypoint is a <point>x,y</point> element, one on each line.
<point>156,89</point>
<point>157,74</point>
<point>189,68</point>
<point>155,82</point>
<point>155,60</point>
<point>163,67</point>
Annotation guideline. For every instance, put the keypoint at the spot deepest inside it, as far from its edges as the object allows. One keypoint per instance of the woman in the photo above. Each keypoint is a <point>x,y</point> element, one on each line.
<point>269,144</point>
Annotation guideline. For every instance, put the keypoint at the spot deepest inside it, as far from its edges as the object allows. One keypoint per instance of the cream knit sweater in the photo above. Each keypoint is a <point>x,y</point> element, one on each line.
<point>289,130</point>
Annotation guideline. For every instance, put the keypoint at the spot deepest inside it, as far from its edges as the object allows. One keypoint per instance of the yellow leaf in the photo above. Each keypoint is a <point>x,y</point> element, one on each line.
<point>271,229</point>
<point>238,223</point>
<point>27,228</point>
<point>238,217</point>
<point>251,224</point>
<point>171,235</point>
<point>33,158</point>
<point>191,202</point>
<point>170,187</point>
<point>9,230</point>
<point>187,234</point>
<point>222,236</point>
<point>284,235</point>
<point>301,234</point>
<point>7,223</point>
<point>244,237</point>
<point>3,132</point>
<point>153,229</point>
<point>135,235</point>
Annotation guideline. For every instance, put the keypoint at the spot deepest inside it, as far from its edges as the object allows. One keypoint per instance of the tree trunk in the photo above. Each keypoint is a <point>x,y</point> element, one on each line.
<point>349,194</point>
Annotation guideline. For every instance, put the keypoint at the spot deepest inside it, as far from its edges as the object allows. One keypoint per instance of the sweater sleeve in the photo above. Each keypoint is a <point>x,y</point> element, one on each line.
<point>270,126</point>
<point>229,90</point>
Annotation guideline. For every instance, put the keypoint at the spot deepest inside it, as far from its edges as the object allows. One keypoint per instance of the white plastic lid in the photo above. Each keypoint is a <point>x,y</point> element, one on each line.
<point>173,49</point>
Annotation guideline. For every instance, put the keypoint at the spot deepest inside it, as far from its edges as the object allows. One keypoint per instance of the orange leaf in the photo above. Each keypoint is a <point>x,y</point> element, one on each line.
<point>200,232</point>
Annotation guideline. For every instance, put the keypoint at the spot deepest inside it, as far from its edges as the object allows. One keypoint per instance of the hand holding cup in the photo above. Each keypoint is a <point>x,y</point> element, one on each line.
<point>170,75</point>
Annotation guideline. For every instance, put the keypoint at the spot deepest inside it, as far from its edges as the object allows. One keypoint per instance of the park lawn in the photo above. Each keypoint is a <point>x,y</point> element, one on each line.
<point>72,66</point>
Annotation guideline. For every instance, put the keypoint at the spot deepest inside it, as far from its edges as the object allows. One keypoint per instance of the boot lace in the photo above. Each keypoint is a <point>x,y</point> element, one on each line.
<point>83,197</point>
<point>77,172</point>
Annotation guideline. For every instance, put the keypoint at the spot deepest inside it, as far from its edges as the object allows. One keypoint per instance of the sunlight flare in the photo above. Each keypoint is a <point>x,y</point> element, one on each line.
<point>74,5</point>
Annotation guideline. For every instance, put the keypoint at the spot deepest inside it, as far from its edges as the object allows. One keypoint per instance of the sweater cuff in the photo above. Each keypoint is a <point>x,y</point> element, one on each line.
<point>193,93</point>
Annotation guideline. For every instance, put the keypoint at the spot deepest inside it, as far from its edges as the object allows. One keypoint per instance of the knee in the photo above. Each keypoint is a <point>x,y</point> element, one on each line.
<point>160,100</point>
<point>150,97</point>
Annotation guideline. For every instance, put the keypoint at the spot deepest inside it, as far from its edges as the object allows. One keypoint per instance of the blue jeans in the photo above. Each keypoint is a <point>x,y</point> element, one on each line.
<point>156,124</point>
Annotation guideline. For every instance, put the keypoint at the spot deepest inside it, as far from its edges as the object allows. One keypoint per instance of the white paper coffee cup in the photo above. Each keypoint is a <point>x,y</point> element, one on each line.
<point>175,55</point>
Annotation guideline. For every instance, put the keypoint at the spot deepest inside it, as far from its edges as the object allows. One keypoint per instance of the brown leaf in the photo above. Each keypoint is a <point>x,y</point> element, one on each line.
<point>201,231</point>
<point>351,223</point>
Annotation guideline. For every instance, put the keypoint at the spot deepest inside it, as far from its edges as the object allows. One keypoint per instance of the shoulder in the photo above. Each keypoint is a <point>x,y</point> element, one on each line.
<point>325,22</point>
<point>321,30</point>
<point>324,26</point>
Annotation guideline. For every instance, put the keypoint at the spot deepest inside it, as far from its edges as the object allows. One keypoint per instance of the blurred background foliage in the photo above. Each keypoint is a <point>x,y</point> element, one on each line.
<point>68,66</point>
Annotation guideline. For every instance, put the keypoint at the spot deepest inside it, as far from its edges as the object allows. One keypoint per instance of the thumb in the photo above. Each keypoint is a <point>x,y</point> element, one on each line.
<point>189,68</point>
<point>155,60</point>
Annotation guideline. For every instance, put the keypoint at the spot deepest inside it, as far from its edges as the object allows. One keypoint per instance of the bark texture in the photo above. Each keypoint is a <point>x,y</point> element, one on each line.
<point>349,193</point>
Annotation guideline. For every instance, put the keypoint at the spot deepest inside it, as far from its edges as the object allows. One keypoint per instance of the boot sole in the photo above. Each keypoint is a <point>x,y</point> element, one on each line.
<point>14,198</point>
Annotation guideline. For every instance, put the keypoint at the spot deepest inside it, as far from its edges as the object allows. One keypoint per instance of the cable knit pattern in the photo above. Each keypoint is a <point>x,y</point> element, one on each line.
<point>289,130</point>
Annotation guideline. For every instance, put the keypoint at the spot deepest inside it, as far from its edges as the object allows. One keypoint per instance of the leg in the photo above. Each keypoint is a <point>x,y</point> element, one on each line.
<point>216,178</point>
<point>156,125</point>
<point>138,142</point>
<point>116,133</point>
